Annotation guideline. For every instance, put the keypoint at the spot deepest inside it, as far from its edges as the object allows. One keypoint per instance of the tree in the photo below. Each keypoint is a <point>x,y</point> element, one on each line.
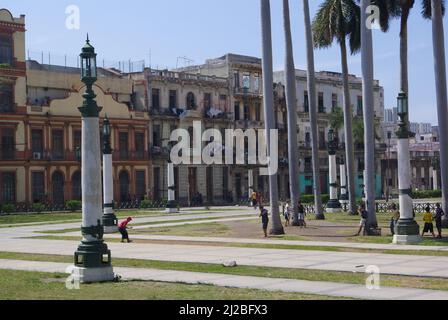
<point>313,111</point>
<point>268,101</point>
<point>369,117</point>
<point>336,119</point>
<point>436,14</point>
<point>339,20</point>
<point>291,102</point>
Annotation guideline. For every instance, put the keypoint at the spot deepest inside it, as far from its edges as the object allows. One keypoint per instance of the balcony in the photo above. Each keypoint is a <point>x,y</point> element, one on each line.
<point>140,155</point>
<point>158,152</point>
<point>247,93</point>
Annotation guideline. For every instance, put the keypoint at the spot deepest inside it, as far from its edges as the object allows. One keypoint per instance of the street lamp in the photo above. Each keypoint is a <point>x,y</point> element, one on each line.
<point>344,190</point>
<point>172,205</point>
<point>92,258</point>
<point>407,230</point>
<point>110,220</point>
<point>435,172</point>
<point>333,205</point>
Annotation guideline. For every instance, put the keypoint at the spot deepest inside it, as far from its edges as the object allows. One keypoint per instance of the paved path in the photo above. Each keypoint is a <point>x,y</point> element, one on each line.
<point>340,290</point>
<point>313,260</point>
<point>327,244</point>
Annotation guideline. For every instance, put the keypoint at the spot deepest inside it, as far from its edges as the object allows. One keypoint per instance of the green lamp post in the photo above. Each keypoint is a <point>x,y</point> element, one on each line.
<point>407,231</point>
<point>333,205</point>
<point>92,258</point>
<point>110,220</point>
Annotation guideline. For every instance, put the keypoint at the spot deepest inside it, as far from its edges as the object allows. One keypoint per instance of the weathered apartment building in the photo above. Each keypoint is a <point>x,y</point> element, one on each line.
<point>40,125</point>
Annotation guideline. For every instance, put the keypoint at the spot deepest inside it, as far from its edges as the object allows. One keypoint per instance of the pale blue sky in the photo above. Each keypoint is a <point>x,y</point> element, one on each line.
<point>201,29</point>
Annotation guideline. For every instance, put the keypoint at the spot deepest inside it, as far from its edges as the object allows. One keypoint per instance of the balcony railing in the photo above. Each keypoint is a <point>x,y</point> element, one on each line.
<point>159,152</point>
<point>140,155</point>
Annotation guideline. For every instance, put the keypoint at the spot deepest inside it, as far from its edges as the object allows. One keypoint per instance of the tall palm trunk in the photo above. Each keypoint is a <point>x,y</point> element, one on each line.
<point>313,110</point>
<point>441,92</point>
<point>369,115</point>
<point>268,101</point>
<point>348,119</point>
<point>291,102</point>
<point>404,79</point>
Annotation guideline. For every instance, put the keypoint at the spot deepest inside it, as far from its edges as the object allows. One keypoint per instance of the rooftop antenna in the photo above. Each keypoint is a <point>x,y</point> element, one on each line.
<point>186,62</point>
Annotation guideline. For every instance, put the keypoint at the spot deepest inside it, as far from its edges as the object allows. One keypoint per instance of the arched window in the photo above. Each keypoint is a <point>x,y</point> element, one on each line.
<point>76,186</point>
<point>191,101</point>
<point>124,186</point>
<point>58,188</point>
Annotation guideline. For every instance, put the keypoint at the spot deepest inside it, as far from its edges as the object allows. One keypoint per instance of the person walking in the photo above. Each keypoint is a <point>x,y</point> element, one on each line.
<point>301,210</point>
<point>287,214</point>
<point>394,219</point>
<point>122,227</point>
<point>438,218</point>
<point>264,215</point>
<point>254,198</point>
<point>428,218</point>
<point>363,213</point>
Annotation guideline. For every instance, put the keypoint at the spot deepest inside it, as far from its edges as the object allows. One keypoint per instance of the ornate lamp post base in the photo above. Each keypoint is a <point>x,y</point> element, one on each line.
<point>407,232</point>
<point>334,206</point>
<point>93,263</point>
<point>172,207</point>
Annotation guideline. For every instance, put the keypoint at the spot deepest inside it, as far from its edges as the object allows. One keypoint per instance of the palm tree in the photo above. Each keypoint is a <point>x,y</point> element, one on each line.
<point>291,102</point>
<point>337,20</point>
<point>313,111</point>
<point>436,14</point>
<point>268,101</point>
<point>369,117</point>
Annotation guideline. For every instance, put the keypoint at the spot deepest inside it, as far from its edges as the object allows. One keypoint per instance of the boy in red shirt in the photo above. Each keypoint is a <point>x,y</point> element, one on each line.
<point>122,227</point>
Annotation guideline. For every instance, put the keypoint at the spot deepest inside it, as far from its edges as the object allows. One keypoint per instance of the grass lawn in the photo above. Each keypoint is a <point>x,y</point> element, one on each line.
<point>268,272</point>
<point>7,221</point>
<point>193,230</point>
<point>21,285</point>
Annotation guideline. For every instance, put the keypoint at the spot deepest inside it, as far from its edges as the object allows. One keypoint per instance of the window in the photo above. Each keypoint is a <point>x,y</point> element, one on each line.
<point>156,99</point>
<point>6,98</point>
<point>321,104</point>
<point>173,99</point>
<point>334,101</point>
<point>124,186</point>
<point>140,185</point>
<point>236,78</point>
<point>7,151</point>
<point>139,145</point>
<point>6,49</point>
<point>322,143</point>
<point>207,101</point>
<point>8,187</point>
<point>246,81</point>
<point>156,136</point>
<point>37,141</point>
<point>58,144</point>
<point>123,145</point>
<point>359,108</point>
<point>191,101</point>
<point>222,102</point>
<point>76,186</point>
<point>257,83</point>
<point>246,112</point>
<point>57,182</point>
<point>306,103</point>
<point>38,186</point>
<point>237,111</point>
<point>258,111</point>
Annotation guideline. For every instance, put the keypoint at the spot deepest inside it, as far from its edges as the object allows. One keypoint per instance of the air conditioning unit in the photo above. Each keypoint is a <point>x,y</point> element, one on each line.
<point>37,155</point>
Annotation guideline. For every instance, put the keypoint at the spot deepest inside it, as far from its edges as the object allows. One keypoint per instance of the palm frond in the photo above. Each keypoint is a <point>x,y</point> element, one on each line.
<point>427,10</point>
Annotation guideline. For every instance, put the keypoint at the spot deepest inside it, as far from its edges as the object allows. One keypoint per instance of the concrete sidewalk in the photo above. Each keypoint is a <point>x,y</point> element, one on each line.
<point>428,266</point>
<point>339,290</point>
<point>372,246</point>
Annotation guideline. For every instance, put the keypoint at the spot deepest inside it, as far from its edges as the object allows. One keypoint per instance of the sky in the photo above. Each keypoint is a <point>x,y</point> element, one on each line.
<point>161,31</point>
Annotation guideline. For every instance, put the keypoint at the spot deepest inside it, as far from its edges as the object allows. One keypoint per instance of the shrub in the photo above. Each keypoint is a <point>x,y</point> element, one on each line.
<point>38,207</point>
<point>427,194</point>
<point>309,198</point>
<point>74,205</point>
<point>8,208</point>
<point>146,204</point>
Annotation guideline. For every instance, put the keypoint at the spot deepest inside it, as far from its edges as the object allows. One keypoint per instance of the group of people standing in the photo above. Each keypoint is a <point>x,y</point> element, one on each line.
<point>287,213</point>
<point>428,218</point>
